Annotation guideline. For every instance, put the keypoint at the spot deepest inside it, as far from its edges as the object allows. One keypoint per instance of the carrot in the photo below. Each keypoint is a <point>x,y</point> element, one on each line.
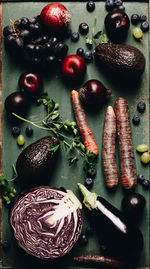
<point>82,123</point>
<point>127,162</point>
<point>108,152</point>
<point>97,261</point>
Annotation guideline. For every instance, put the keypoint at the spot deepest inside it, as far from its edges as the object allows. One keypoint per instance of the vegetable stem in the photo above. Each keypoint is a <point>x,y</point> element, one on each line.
<point>89,197</point>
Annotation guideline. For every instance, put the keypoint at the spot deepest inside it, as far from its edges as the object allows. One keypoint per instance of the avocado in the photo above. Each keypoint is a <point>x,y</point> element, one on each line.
<point>35,163</point>
<point>120,59</point>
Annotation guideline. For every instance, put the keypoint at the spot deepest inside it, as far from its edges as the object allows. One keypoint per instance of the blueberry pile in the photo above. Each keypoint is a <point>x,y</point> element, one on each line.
<point>27,38</point>
<point>142,19</point>
<point>145,182</point>
<point>111,4</point>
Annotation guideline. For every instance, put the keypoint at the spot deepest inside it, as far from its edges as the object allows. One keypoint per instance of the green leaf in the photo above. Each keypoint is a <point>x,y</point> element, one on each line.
<point>104,39</point>
<point>97,35</point>
<point>54,148</point>
<point>67,123</point>
<point>64,146</point>
<point>75,131</point>
<point>56,106</point>
<point>88,40</point>
<point>57,125</point>
<point>72,160</point>
<point>54,116</point>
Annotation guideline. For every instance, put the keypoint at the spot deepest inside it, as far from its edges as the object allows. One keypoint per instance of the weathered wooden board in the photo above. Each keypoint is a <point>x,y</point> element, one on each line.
<point>64,175</point>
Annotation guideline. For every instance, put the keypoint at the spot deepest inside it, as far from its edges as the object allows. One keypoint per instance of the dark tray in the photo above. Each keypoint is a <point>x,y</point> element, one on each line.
<point>64,175</point>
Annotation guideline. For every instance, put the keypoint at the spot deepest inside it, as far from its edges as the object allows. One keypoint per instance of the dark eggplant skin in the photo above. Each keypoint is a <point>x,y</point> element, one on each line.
<point>120,59</point>
<point>133,206</point>
<point>127,239</point>
<point>121,239</point>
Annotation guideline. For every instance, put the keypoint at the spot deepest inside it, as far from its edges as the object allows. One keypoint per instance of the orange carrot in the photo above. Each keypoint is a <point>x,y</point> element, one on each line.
<point>108,152</point>
<point>127,161</point>
<point>82,123</point>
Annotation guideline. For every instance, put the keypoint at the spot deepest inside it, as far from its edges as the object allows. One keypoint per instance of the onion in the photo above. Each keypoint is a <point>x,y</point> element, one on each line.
<point>93,92</point>
<point>55,17</point>
<point>46,221</point>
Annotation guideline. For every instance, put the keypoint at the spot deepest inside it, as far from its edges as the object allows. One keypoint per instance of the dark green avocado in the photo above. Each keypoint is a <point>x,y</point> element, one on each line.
<point>35,163</point>
<point>120,59</point>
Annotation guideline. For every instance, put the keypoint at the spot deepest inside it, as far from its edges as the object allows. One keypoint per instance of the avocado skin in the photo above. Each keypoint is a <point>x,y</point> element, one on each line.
<point>121,59</point>
<point>35,163</point>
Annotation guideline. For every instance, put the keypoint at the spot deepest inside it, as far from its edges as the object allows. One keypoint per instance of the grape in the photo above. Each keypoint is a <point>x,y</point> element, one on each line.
<point>20,140</point>
<point>142,148</point>
<point>137,33</point>
<point>145,158</point>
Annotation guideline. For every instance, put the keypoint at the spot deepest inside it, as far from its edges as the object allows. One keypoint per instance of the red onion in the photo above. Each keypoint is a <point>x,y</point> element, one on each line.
<point>55,16</point>
<point>93,92</point>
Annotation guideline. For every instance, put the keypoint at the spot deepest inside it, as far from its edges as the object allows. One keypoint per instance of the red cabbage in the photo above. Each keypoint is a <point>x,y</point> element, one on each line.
<point>46,221</point>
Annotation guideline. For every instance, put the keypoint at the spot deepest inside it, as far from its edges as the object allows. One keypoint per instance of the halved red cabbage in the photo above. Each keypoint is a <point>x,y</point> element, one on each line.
<point>46,221</point>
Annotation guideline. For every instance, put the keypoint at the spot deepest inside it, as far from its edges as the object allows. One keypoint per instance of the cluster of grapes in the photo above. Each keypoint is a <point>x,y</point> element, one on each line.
<point>27,37</point>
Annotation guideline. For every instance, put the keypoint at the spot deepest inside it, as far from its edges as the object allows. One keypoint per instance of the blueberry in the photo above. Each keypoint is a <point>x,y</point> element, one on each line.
<point>83,240</point>
<point>143,18</point>
<point>141,106</point>
<point>92,172</point>
<point>109,4</point>
<point>25,23</point>
<point>60,50</point>
<point>136,119</point>
<point>145,26</point>
<point>48,48</point>
<point>5,244</point>
<point>146,183</point>
<point>88,56</point>
<point>54,40</point>
<point>135,19</point>
<point>36,60</point>
<point>83,28</point>
<point>89,182</point>
<point>140,178</point>
<point>45,39</point>
<point>118,3</point>
<point>16,130</point>
<point>121,8</point>
<point>8,30</point>
<point>38,50</point>
<point>80,51</point>
<point>75,36</point>
<point>41,40</point>
<point>49,61</point>
<point>89,231</point>
<point>90,6</point>
<point>29,131</point>
<point>30,48</point>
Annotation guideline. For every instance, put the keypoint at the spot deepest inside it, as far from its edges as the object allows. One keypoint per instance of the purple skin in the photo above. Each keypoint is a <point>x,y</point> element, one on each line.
<point>117,24</point>
<point>44,214</point>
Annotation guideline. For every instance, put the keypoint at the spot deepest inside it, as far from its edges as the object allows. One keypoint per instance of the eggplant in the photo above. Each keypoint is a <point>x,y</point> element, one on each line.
<point>122,240</point>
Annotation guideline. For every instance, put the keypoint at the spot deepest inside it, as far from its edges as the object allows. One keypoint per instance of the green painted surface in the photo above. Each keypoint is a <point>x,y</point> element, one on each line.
<point>64,175</point>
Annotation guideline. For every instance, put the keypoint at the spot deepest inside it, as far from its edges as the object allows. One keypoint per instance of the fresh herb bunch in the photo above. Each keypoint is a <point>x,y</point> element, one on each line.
<point>99,37</point>
<point>65,131</point>
<point>7,191</point>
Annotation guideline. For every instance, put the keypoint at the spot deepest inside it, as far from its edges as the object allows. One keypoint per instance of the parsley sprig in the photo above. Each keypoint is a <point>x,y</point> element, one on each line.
<point>66,131</point>
<point>8,192</point>
<point>99,37</point>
